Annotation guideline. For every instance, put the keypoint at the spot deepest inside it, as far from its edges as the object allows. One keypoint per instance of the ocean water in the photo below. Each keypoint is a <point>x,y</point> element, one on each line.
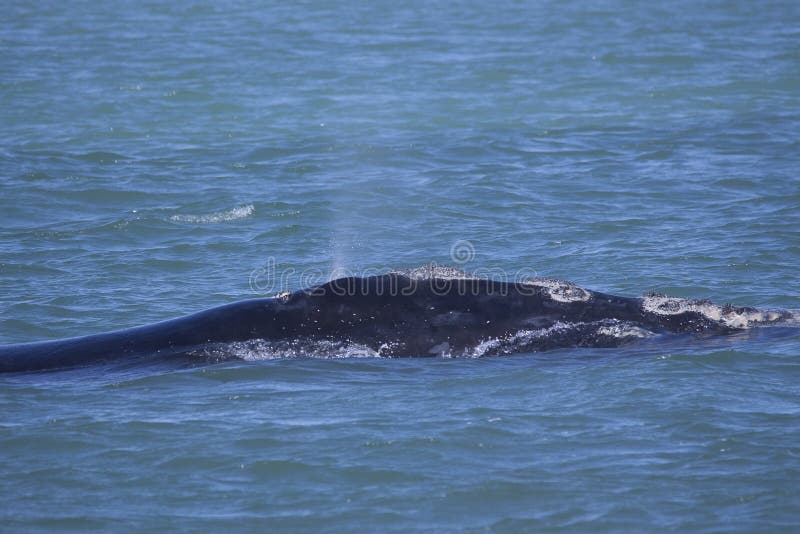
<point>157,160</point>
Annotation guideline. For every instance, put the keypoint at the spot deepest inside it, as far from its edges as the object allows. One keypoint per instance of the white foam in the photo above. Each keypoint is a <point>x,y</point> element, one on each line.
<point>518,341</point>
<point>239,212</point>
<point>283,296</point>
<point>262,349</point>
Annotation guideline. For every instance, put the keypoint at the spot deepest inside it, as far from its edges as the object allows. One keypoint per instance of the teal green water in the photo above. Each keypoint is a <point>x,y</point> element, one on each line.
<point>157,160</point>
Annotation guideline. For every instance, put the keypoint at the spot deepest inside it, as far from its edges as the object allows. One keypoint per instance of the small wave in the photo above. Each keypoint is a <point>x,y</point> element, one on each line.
<point>102,157</point>
<point>239,212</point>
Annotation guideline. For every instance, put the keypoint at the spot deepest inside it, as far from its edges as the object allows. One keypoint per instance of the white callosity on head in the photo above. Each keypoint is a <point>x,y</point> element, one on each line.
<point>730,316</point>
<point>560,290</point>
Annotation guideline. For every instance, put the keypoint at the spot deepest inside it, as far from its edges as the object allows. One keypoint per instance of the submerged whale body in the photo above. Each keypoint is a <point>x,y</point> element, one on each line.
<point>428,311</point>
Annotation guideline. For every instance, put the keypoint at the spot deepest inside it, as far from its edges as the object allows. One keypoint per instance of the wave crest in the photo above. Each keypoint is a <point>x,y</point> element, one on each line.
<point>239,212</point>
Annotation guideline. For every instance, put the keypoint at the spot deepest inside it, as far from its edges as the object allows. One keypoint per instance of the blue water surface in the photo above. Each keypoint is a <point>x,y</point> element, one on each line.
<point>159,159</point>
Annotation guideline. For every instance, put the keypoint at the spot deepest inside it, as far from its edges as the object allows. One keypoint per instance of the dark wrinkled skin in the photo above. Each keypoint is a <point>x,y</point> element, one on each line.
<point>391,313</point>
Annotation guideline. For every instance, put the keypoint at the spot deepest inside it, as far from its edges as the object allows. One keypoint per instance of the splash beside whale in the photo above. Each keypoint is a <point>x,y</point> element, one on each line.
<point>428,311</point>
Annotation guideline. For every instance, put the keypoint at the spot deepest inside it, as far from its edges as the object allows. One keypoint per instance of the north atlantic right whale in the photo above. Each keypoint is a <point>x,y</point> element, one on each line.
<point>428,311</point>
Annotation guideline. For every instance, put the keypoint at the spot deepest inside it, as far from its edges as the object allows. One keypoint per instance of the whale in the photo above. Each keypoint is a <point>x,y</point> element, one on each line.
<point>428,311</point>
